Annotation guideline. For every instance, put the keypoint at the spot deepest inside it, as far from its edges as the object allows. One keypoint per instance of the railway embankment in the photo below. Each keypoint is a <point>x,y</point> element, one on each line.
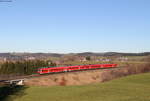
<point>85,77</point>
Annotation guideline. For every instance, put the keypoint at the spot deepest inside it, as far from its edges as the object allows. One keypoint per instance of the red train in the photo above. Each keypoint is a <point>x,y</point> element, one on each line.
<point>74,68</point>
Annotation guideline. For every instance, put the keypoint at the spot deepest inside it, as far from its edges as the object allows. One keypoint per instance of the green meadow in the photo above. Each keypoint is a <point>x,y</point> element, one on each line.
<point>130,88</point>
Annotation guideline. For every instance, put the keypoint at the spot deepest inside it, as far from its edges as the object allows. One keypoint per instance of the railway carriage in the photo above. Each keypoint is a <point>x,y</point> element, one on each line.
<point>46,70</point>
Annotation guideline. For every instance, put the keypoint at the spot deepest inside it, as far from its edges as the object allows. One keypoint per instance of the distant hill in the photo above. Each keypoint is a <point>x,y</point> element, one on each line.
<point>113,54</point>
<point>30,54</point>
<point>45,55</point>
<point>5,54</point>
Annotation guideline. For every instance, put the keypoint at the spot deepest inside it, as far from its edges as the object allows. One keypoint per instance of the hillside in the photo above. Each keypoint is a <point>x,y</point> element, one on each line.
<point>131,88</point>
<point>22,55</point>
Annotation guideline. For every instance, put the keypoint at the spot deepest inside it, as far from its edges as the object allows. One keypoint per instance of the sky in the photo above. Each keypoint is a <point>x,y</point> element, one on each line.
<point>72,26</point>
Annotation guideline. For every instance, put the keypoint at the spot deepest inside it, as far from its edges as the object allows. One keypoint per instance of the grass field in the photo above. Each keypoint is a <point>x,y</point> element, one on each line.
<point>131,88</point>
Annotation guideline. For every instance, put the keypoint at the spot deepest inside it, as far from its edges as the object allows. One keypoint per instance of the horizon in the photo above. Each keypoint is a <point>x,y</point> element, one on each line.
<point>71,52</point>
<point>75,26</point>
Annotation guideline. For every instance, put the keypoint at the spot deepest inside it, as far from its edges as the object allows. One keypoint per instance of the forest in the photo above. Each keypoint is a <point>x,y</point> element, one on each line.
<point>23,67</point>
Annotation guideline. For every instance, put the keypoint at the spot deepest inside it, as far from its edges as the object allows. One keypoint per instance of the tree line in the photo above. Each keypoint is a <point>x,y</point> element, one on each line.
<point>23,67</point>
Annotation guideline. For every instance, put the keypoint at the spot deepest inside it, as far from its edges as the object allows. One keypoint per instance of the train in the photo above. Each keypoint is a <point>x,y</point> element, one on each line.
<point>46,70</point>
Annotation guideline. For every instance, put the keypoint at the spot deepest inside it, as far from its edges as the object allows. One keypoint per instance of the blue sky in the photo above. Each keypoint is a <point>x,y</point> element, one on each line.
<point>66,26</point>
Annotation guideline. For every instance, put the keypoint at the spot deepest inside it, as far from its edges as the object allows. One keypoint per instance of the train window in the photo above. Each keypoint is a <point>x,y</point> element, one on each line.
<point>44,70</point>
<point>53,69</point>
<point>75,67</point>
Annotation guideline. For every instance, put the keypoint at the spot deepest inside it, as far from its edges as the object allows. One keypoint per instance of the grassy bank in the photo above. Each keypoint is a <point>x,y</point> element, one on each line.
<point>131,88</point>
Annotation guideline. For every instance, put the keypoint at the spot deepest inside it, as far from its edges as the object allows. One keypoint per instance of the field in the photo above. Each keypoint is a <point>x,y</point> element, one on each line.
<point>130,88</point>
<point>135,60</point>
